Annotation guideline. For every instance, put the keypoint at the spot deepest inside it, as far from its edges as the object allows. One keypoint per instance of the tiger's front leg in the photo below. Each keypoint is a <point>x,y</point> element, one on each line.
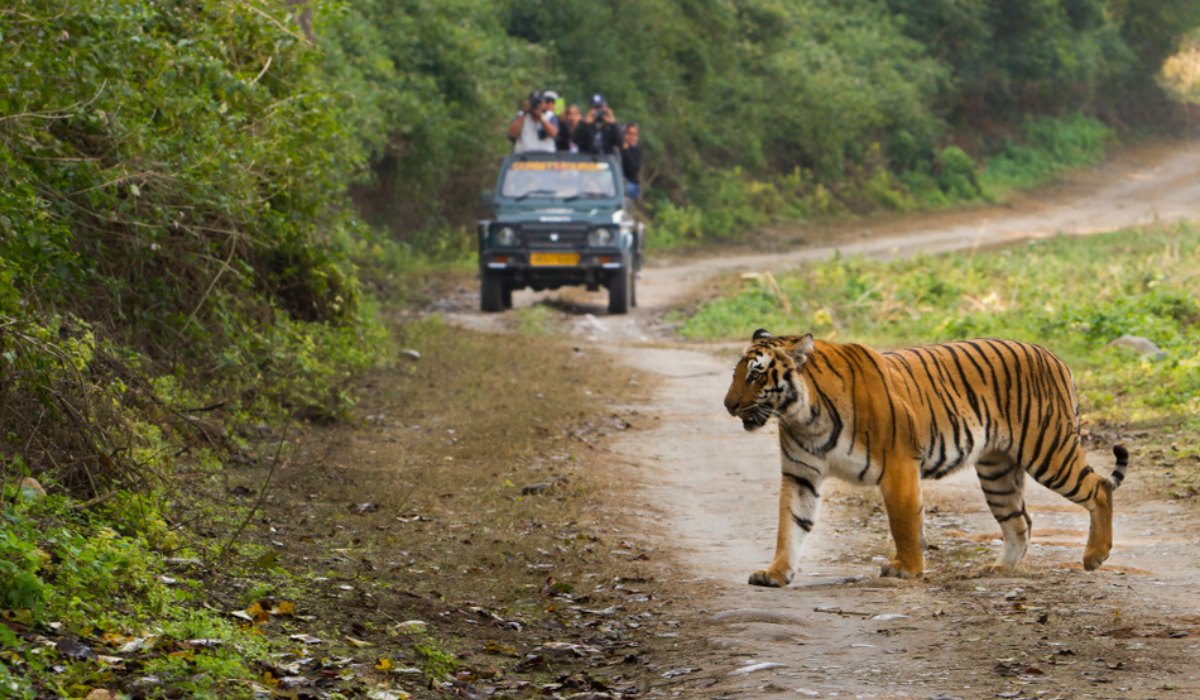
<point>798,505</point>
<point>901,485</point>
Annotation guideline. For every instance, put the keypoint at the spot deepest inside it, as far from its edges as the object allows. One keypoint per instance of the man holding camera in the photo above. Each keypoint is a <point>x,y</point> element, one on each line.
<point>602,133</point>
<point>535,126</point>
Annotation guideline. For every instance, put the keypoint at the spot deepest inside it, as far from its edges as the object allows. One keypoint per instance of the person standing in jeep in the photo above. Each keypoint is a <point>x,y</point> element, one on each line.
<point>603,136</point>
<point>571,131</point>
<point>535,126</point>
<point>631,162</point>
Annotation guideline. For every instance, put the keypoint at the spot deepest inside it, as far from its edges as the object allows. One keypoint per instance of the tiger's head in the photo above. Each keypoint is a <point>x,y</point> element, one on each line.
<point>764,381</point>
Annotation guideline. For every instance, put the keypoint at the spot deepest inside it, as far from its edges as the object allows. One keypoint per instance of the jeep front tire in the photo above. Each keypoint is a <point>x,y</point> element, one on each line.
<point>491,293</point>
<point>620,291</point>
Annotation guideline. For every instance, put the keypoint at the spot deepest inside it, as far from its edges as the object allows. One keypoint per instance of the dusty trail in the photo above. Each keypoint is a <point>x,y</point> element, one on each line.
<point>1130,630</point>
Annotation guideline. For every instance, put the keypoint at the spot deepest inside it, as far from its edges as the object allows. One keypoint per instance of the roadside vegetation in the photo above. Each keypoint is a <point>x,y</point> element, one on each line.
<point>737,207</point>
<point>175,268</point>
<point>1074,295</point>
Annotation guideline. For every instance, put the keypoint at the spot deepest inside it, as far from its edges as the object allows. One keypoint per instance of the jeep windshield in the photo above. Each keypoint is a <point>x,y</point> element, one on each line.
<point>559,179</point>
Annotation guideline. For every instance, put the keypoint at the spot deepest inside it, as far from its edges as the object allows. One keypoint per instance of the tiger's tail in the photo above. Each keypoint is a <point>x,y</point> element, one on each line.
<point>1118,473</point>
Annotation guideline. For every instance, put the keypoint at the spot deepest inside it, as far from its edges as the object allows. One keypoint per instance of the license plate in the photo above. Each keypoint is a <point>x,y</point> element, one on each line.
<point>554,259</point>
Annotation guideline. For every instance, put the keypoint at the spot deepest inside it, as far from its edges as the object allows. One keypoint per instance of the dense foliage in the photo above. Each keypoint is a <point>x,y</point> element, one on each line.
<point>169,180</point>
<point>175,243</point>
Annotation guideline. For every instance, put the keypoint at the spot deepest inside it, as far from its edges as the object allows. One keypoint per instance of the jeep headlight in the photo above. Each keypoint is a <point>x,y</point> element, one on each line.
<point>600,237</point>
<point>506,236</point>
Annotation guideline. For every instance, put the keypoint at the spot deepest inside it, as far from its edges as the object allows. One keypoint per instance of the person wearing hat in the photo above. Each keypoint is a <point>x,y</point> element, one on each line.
<point>535,126</point>
<point>550,101</point>
<point>603,135</point>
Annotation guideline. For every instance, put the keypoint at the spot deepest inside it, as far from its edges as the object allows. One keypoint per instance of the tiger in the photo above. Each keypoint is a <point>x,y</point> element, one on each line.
<point>893,418</point>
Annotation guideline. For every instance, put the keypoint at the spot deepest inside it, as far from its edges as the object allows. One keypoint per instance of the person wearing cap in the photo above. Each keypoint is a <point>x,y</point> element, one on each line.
<point>535,127</point>
<point>550,101</point>
<point>603,134</point>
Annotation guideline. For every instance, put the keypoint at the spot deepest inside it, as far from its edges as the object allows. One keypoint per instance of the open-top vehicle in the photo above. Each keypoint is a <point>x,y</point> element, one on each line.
<point>559,219</point>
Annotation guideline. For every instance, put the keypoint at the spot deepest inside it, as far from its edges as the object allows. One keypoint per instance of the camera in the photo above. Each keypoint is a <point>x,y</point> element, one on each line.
<point>535,101</point>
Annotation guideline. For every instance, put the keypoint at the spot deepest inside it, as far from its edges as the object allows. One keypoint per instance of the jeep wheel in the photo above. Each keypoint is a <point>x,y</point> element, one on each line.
<point>506,297</point>
<point>620,289</point>
<point>491,293</point>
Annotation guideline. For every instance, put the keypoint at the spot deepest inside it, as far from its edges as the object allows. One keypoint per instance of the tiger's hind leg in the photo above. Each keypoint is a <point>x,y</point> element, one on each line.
<point>1003,483</point>
<point>1073,479</point>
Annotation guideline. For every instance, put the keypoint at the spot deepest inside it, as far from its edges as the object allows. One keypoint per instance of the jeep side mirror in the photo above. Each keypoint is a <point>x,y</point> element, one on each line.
<point>489,199</point>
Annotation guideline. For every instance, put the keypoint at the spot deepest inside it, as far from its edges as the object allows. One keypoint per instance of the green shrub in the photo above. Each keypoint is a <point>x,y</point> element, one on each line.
<point>1050,147</point>
<point>956,174</point>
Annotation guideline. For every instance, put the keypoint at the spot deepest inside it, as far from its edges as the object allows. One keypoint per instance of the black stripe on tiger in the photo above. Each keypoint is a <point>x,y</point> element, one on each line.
<point>1118,474</point>
<point>803,483</point>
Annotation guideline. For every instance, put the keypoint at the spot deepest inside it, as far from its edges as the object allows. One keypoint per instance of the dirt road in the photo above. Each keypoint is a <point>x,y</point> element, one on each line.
<point>1130,630</point>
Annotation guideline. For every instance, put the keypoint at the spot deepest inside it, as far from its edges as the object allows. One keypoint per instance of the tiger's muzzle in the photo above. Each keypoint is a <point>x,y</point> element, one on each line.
<point>754,421</point>
<point>753,417</point>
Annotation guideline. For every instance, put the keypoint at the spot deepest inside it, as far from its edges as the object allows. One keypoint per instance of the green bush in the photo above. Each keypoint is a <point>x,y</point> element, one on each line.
<point>1049,147</point>
<point>956,174</point>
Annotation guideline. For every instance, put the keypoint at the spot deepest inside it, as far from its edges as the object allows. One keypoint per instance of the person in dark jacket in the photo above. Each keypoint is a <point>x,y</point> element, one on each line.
<point>631,161</point>
<point>603,135</point>
<point>571,132</point>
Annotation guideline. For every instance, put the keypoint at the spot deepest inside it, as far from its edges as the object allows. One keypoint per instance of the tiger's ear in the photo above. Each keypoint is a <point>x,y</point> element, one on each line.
<point>803,349</point>
<point>761,334</point>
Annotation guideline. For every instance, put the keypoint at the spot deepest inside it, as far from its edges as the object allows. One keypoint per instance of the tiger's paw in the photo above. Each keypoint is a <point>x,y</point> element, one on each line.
<point>894,569</point>
<point>996,568</point>
<point>763,577</point>
<point>1091,562</point>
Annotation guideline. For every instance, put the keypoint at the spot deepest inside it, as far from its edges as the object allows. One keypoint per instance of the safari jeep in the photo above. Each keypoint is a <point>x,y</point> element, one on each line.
<point>560,219</point>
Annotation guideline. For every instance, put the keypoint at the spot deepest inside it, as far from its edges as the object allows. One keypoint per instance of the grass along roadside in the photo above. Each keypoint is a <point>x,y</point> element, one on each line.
<point>1074,295</point>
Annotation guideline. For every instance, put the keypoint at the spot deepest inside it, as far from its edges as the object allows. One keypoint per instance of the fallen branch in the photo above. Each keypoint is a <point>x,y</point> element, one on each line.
<point>93,501</point>
<point>839,611</point>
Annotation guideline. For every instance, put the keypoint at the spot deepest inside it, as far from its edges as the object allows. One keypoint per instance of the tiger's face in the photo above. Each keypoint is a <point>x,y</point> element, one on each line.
<point>762,383</point>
